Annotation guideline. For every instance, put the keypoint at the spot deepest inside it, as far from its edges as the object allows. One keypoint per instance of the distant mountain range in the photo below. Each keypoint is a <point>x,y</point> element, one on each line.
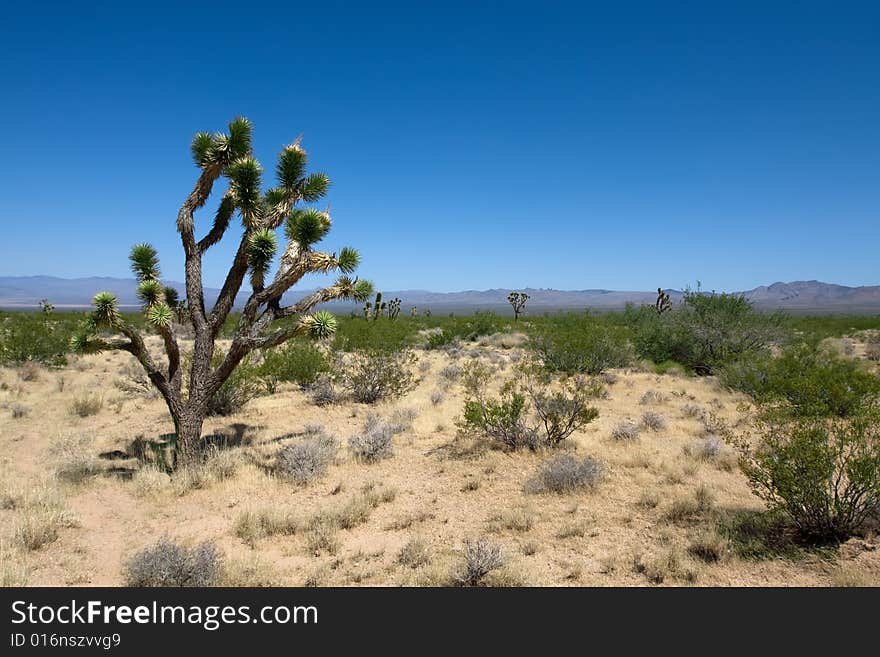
<point>25,292</point>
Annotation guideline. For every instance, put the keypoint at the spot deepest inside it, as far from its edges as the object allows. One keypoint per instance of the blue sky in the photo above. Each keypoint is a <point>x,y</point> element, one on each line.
<point>570,145</point>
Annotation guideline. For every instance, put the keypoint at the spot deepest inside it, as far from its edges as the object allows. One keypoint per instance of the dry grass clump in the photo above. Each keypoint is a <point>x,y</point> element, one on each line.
<point>252,525</point>
<point>648,499</point>
<point>322,534</point>
<point>13,569</point>
<point>41,518</point>
<point>437,397</point>
<point>322,391</point>
<point>30,371</point>
<point>18,411</point>
<point>150,481</point>
<point>564,474</point>
<point>167,563</point>
<point>73,461</point>
<point>251,572</point>
<point>625,432</point>
<point>479,558</point>
<point>672,564</point>
<point>572,530</point>
<point>308,459</point>
<point>694,411</point>
<point>710,547</point>
<point>684,510</point>
<point>518,520</point>
<point>712,449</point>
<point>86,405</point>
<point>322,528</point>
<point>217,465</point>
<point>414,553</point>
<point>451,373</point>
<point>653,421</point>
<point>652,397</point>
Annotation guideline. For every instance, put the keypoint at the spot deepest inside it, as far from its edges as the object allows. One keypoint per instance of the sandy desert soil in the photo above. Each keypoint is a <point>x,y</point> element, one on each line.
<point>428,495</point>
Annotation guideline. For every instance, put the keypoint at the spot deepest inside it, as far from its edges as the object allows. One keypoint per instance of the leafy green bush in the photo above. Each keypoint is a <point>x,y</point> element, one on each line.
<point>242,386</point>
<point>824,474</point>
<point>506,419</point>
<point>706,332</point>
<point>371,376</point>
<point>574,343</point>
<point>809,381</point>
<point>296,362</point>
<point>35,337</point>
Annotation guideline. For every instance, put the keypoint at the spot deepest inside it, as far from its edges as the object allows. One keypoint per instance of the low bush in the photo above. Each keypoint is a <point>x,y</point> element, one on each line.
<point>375,442</point>
<point>507,418</point>
<point>86,405</point>
<point>479,558</point>
<point>169,564</point>
<point>28,337</point>
<point>297,362</point>
<point>414,553</point>
<point>371,376</point>
<point>807,380</point>
<point>625,431</point>
<point>564,474</point>
<point>653,421</point>
<point>705,333</point>
<point>574,344</point>
<point>307,459</point>
<point>241,387</point>
<point>823,474</point>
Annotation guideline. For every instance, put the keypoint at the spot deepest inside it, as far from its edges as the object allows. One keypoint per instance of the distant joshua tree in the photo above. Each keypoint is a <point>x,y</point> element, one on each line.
<point>663,302</point>
<point>518,301</point>
<point>46,307</point>
<point>229,156</point>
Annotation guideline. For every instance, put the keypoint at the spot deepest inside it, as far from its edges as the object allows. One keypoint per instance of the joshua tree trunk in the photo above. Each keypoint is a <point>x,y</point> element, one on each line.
<point>262,213</point>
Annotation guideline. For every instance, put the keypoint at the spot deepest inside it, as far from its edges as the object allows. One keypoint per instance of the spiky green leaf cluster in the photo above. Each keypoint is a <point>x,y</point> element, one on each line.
<point>244,182</point>
<point>172,296</point>
<point>220,149</point>
<point>106,312</point>
<point>307,226</point>
<point>348,260</point>
<point>315,187</point>
<point>144,262</point>
<point>159,315</point>
<point>291,166</point>
<point>261,250</point>
<point>321,324</point>
<point>151,292</point>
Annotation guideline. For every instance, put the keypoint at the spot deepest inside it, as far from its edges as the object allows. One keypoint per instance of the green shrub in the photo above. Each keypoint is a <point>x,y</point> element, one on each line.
<point>34,337</point>
<point>575,343</point>
<point>508,418</point>
<point>371,376</point>
<point>706,332</point>
<point>296,362</point>
<point>823,474</point>
<point>169,564</point>
<point>808,380</point>
<point>242,386</point>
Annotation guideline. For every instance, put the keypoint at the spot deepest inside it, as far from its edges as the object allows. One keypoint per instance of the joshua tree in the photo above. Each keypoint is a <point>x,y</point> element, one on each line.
<point>46,307</point>
<point>374,310</point>
<point>393,308</point>
<point>518,301</point>
<point>663,302</point>
<point>228,156</point>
